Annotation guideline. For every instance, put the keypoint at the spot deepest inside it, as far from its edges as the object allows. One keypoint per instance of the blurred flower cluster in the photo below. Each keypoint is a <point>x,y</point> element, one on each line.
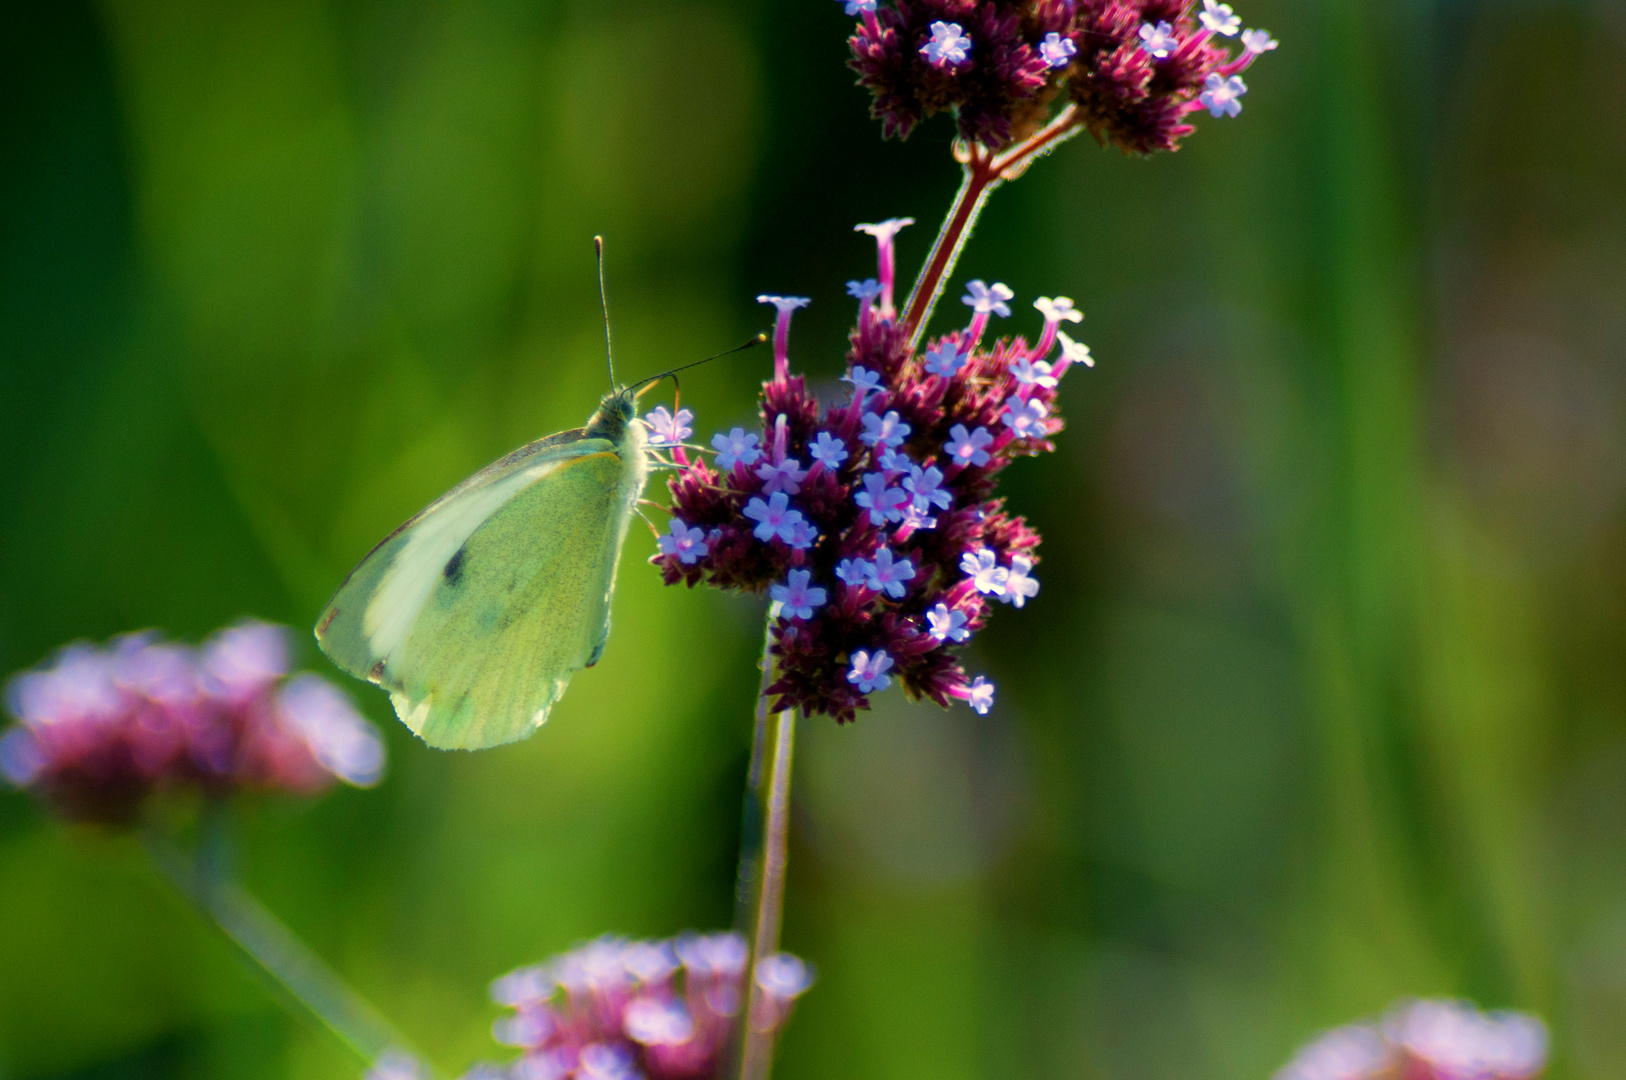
<point>102,728</point>
<point>872,521</point>
<point>1427,1040</point>
<point>622,1010</point>
<point>1135,69</point>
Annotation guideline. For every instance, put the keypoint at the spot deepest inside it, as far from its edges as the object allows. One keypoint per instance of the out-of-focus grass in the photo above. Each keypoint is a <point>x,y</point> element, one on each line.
<point>1321,703</point>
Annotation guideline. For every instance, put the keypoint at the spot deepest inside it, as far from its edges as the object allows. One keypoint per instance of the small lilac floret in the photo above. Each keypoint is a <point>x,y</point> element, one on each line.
<point>785,304</point>
<point>1158,41</point>
<point>885,231</point>
<point>881,500</point>
<point>828,450</point>
<point>339,739</point>
<point>1219,19</point>
<point>1025,418</point>
<point>787,476</point>
<point>947,624</point>
<point>1075,352</point>
<point>1058,309</point>
<point>949,45</point>
<point>867,289</point>
<point>1347,1053</point>
<point>984,299</point>
<point>736,446</point>
<point>967,447</point>
<point>945,360</point>
<point>666,429</point>
<point>247,658</point>
<point>890,574</point>
<point>888,430</point>
<point>853,572</point>
<point>1258,41</point>
<point>713,954</point>
<point>688,544</point>
<point>857,7</point>
<point>915,516</point>
<point>982,695</point>
<point>869,671</point>
<point>651,1022</point>
<point>1033,373</point>
<point>798,598</point>
<point>801,534</point>
<point>1223,96</point>
<point>895,461</point>
<point>865,381</point>
<point>982,566</point>
<point>926,485</point>
<point>21,759</point>
<point>1057,51</point>
<point>1020,585</point>
<point>773,518</point>
<point>783,977</point>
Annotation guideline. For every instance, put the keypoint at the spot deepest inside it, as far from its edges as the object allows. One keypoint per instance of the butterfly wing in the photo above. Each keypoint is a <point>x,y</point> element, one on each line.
<point>475,614</point>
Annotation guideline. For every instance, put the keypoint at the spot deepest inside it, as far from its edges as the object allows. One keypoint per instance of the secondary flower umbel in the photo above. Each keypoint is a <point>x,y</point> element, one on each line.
<point>622,1010</point>
<point>1427,1040</point>
<point>102,728</point>
<point>1132,69</point>
<point>873,521</point>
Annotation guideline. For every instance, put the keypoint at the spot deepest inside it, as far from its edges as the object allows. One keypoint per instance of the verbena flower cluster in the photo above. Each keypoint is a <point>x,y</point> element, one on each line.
<point>1134,68</point>
<point>872,521</point>
<point>103,728</point>
<point>1427,1040</point>
<point>624,1010</point>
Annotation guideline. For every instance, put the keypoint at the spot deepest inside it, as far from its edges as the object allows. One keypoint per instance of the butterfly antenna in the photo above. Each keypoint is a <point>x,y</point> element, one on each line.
<point>753,342</point>
<point>604,306</point>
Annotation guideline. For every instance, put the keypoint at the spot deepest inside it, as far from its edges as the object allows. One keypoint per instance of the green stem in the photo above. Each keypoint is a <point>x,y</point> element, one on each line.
<point>745,881</point>
<point>288,962</point>
<point>757,1060</point>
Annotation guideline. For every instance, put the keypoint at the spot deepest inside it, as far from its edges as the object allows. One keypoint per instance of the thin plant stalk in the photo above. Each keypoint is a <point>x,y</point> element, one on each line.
<point>286,960</point>
<point>745,884</point>
<point>983,171</point>
<point>757,1058</point>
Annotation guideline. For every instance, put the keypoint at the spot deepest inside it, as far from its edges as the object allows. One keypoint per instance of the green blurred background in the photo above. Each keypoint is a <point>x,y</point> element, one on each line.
<point>1323,702</point>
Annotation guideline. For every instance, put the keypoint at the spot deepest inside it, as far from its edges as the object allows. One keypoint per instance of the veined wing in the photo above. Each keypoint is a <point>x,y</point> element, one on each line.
<point>475,613</point>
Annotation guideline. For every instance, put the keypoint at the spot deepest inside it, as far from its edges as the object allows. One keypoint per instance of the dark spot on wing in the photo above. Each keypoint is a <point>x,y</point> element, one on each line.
<point>454,568</point>
<point>375,674</point>
<point>327,621</point>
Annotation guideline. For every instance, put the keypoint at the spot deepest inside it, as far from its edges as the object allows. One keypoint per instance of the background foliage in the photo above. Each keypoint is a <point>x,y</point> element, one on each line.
<point>1323,700</point>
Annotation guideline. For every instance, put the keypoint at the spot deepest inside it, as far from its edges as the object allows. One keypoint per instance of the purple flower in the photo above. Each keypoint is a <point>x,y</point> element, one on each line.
<point>882,502</point>
<point>1025,418</point>
<point>888,430</point>
<point>1223,96</point>
<point>785,304</point>
<point>984,298</point>
<point>1159,40</point>
<point>1020,586</point>
<point>787,476</point>
<point>828,450</point>
<point>1033,373</point>
<point>926,485</point>
<point>666,429</point>
<point>890,575</point>
<point>948,46</point>
<point>773,518</point>
<point>1447,1040</point>
<point>1057,51</point>
<point>783,977</point>
<point>798,599</point>
<point>339,739</point>
<point>1075,352</point>
<point>945,360</point>
<point>885,231</point>
<point>981,697</point>
<point>1258,41</point>
<point>915,516</point>
<point>857,7</point>
<point>1059,309</point>
<point>1219,19</point>
<point>688,544</point>
<point>867,289</point>
<point>869,671</point>
<point>895,461</point>
<point>736,446</point>
<point>982,566</point>
<point>245,659</point>
<point>801,534</point>
<point>853,572</point>
<point>865,382</point>
<point>947,624</point>
<point>968,447</point>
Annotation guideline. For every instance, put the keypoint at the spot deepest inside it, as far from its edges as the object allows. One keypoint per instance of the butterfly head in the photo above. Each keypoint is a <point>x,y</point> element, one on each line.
<point>614,415</point>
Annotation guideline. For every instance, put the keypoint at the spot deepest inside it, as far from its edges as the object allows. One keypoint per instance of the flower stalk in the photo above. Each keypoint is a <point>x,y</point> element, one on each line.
<point>759,1031</point>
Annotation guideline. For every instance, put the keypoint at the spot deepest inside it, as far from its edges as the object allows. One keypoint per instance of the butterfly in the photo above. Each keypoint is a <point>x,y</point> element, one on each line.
<point>475,614</point>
